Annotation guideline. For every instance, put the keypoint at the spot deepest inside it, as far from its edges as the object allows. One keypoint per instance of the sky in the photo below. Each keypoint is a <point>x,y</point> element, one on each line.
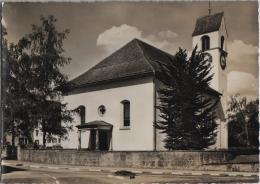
<point>99,28</point>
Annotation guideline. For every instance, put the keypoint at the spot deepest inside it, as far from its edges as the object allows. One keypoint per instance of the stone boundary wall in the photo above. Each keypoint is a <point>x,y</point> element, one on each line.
<point>134,159</point>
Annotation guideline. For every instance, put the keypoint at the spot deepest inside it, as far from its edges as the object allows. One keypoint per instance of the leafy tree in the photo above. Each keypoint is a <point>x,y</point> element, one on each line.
<point>37,83</point>
<point>17,99</point>
<point>4,82</point>
<point>187,114</point>
<point>11,102</point>
<point>243,122</point>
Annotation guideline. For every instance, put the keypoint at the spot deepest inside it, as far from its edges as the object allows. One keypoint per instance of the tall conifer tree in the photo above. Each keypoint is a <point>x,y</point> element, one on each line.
<point>187,114</point>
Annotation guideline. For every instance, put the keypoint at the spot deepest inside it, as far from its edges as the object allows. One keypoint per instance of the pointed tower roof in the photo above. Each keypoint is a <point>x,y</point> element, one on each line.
<point>207,24</point>
<point>134,59</point>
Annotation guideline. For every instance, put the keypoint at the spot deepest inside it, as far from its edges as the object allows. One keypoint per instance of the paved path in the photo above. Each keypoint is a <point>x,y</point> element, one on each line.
<point>66,175</point>
<point>134,170</point>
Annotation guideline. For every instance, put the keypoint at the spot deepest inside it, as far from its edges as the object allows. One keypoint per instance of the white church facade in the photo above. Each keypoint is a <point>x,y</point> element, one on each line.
<point>116,99</point>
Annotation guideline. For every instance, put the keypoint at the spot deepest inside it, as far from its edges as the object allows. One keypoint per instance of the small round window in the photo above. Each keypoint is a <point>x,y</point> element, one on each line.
<point>101,110</point>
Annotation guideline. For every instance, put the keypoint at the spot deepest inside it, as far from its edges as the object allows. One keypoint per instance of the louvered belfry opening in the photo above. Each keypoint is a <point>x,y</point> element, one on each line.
<point>205,41</point>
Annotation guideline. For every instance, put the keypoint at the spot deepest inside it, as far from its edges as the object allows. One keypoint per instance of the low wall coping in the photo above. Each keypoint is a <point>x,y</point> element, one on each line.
<point>134,151</point>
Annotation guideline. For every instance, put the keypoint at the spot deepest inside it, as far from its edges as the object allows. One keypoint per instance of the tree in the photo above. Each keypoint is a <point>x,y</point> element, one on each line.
<point>4,68</point>
<point>187,114</point>
<point>12,104</point>
<point>37,83</point>
<point>17,99</point>
<point>243,122</point>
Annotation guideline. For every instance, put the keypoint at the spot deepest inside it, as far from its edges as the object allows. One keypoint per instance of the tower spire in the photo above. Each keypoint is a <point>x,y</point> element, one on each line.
<point>209,8</point>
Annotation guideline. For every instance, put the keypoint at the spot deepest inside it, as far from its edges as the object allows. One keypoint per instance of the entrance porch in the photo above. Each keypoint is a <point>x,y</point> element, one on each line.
<point>100,137</point>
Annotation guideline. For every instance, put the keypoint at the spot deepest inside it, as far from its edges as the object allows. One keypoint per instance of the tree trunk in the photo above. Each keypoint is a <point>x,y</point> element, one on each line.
<point>43,134</point>
<point>44,138</point>
<point>13,137</point>
<point>246,129</point>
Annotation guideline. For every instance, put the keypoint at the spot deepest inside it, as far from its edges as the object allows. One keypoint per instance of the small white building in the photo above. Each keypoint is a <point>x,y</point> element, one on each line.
<point>116,99</point>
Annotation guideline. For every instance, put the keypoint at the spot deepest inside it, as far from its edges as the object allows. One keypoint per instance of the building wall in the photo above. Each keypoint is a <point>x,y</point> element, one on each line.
<point>140,94</point>
<point>38,137</point>
<point>214,51</point>
<point>159,136</point>
<point>177,160</point>
<point>8,139</point>
<point>166,159</point>
<point>223,128</point>
<point>220,120</point>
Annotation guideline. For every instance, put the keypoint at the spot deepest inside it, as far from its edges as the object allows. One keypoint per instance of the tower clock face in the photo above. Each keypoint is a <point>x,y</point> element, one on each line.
<point>223,62</point>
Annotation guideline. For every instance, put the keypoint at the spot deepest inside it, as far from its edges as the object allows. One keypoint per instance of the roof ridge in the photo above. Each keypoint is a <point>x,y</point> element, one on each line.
<point>146,59</point>
<point>109,55</point>
<point>165,52</point>
<point>121,47</point>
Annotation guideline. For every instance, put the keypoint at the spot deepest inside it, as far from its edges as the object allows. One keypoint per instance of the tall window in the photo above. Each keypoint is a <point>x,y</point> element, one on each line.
<point>82,113</point>
<point>126,113</point>
<point>36,132</point>
<point>205,43</point>
<point>222,42</point>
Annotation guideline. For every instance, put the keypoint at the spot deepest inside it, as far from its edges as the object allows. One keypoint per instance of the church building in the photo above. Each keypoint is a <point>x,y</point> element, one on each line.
<point>116,98</point>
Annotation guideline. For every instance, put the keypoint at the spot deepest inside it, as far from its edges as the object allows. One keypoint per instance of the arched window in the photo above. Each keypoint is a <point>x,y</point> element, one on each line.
<point>82,113</point>
<point>126,113</point>
<point>205,43</point>
<point>222,42</point>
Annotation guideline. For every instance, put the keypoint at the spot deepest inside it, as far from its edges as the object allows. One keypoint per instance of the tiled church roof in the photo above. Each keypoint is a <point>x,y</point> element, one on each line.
<point>207,24</point>
<point>134,59</point>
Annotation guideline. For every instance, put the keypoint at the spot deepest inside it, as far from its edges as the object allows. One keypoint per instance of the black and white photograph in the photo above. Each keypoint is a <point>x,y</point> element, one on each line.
<point>129,92</point>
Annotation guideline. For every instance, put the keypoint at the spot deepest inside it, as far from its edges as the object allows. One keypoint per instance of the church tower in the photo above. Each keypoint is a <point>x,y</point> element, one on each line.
<point>210,35</point>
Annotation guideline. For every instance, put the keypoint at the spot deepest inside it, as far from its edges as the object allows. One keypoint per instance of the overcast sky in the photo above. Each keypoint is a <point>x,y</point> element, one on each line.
<point>98,29</point>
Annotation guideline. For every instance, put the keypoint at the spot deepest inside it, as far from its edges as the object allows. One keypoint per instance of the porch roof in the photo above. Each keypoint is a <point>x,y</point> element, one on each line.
<point>97,124</point>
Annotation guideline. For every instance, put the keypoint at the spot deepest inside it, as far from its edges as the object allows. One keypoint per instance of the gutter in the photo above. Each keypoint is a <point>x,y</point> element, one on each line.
<point>107,81</point>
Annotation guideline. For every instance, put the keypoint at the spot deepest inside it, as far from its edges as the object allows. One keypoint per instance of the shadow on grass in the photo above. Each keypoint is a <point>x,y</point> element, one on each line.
<point>8,169</point>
